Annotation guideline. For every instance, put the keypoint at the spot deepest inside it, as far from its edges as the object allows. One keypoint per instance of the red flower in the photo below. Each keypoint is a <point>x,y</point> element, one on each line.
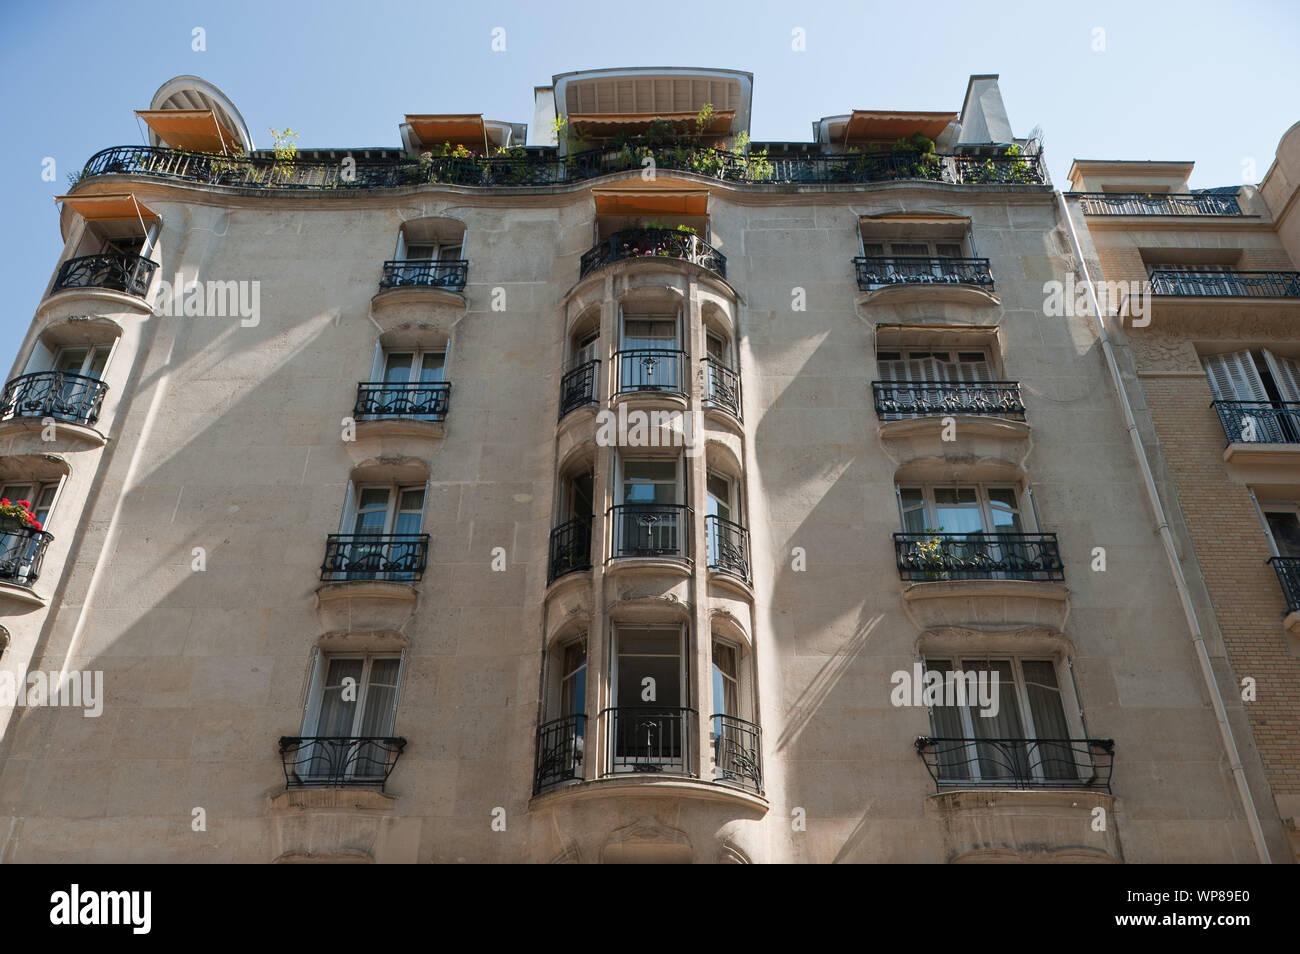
<point>25,503</point>
<point>4,501</point>
<point>36,525</point>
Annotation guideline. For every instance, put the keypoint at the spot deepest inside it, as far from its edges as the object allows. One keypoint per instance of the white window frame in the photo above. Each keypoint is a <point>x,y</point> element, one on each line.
<point>622,764</point>
<point>316,694</point>
<point>985,505</point>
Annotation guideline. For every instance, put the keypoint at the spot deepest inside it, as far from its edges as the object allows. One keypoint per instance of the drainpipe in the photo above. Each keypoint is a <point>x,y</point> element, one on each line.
<point>1162,526</point>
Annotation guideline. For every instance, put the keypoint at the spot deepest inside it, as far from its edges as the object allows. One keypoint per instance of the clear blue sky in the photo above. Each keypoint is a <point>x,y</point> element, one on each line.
<point>1217,83</point>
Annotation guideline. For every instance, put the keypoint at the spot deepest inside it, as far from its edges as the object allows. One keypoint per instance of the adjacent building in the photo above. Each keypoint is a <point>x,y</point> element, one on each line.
<point>612,488</point>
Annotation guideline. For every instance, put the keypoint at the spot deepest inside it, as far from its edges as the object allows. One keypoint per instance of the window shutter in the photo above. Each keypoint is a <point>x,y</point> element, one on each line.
<point>1286,375</point>
<point>42,359</point>
<point>1233,377</point>
<point>315,686</point>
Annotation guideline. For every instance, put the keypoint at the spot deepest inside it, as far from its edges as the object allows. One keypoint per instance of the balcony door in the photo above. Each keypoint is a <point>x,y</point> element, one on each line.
<point>649,520</point>
<point>1024,740</point>
<point>650,353</point>
<point>353,700</point>
<point>380,513</point>
<point>1263,382</point>
<point>650,725</point>
<point>927,263</point>
<point>962,516</point>
<point>410,379</point>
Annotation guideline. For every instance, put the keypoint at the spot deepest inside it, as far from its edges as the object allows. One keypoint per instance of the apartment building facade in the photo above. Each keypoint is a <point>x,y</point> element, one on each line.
<point>1214,366</point>
<point>618,490</point>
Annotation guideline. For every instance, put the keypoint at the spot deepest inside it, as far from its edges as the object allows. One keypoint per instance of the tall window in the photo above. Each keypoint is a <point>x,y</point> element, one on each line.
<point>1284,527</point>
<point>385,521</point>
<point>960,509</point>
<point>650,353</point>
<point>944,365</point>
<point>648,682</point>
<point>1026,738</point>
<point>353,700</point>
<point>431,251</point>
<point>1269,384</point>
<point>38,494</point>
<point>411,380</point>
<point>916,259</point>
<point>649,519</point>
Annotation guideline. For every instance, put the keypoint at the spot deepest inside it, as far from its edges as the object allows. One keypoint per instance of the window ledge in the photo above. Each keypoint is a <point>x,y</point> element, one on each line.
<point>91,436</point>
<point>904,293</point>
<point>398,427</point>
<point>994,605</point>
<point>1027,825</point>
<point>101,296</point>
<point>332,798</point>
<point>365,606</point>
<point>680,566</point>
<point>1259,463</point>
<point>417,294</point>
<point>15,593</point>
<point>990,425</point>
<point>615,786</point>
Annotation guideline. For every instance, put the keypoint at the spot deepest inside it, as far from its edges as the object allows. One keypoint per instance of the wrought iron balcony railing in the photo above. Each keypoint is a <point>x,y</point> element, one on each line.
<point>721,387</point>
<point>545,169</point>
<point>650,530</point>
<point>61,395</point>
<point>738,753</point>
<point>1260,422</point>
<point>425,273</point>
<point>580,386</point>
<point>570,548</point>
<point>22,550</point>
<point>1231,284</point>
<point>896,400</point>
<point>978,556</point>
<point>1018,763</point>
<point>417,401</point>
<point>559,752</point>
<point>650,739</point>
<point>1175,203</point>
<point>873,272</point>
<point>1288,574</point>
<point>395,557</point>
<point>650,370</point>
<point>653,243</point>
<point>125,273</point>
<point>728,546</point>
<point>339,761</point>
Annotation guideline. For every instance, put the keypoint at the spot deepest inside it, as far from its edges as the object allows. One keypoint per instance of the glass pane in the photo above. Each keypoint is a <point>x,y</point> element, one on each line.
<point>1002,504</point>
<point>1007,758</point>
<point>44,500</point>
<point>419,252</point>
<point>449,253</point>
<point>641,334</point>
<point>954,758</point>
<point>336,712</point>
<point>412,499</point>
<point>719,496</point>
<point>957,509</point>
<point>647,654</point>
<point>1048,715</point>
<point>1285,527</point>
<point>431,368</point>
<point>397,367</point>
<point>913,509</point>
<point>71,359</point>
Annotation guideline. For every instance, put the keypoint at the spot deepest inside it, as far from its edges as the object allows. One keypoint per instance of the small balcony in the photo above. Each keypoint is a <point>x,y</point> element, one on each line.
<point>130,274</point>
<point>901,400</point>
<point>425,273</point>
<point>416,401</point>
<point>580,386</point>
<point>1018,763</point>
<point>877,272</point>
<point>570,549</point>
<point>653,243</point>
<point>650,370</point>
<point>1138,203</point>
<point>926,557</point>
<point>650,530</point>
<point>339,761</point>
<point>62,395</point>
<point>391,557</point>
<point>559,752</point>
<point>1288,574</point>
<point>721,388</point>
<point>1260,422</point>
<point>22,550</point>
<point>650,740</point>
<point>1225,284</point>
<point>728,547</point>
<point>737,753</point>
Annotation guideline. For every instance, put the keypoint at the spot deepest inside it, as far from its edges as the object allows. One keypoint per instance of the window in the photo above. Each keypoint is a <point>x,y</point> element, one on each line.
<point>1268,383</point>
<point>422,251</point>
<point>649,519</point>
<point>39,494</point>
<point>648,683</point>
<point>352,704</point>
<point>921,254</point>
<point>383,523</point>
<point>928,365</point>
<point>718,348</point>
<point>586,347</point>
<point>412,386</point>
<point>1284,527</point>
<point>958,509</point>
<point>650,355</point>
<point>1025,738</point>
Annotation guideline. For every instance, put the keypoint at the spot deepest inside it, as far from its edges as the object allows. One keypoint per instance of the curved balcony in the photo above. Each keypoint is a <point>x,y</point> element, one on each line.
<point>391,557</point>
<point>22,550</point>
<point>650,530</point>
<point>425,273</point>
<point>61,395</point>
<point>547,169</point>
<point>570,548</point>
<point>728,547</point>
<point>559,752</point>
<point>1018,763</point>
<point>650,370</point>
<point>580,386</point>
<point>339,761</point>
<point>130,274</point>
<point>653,243</point>
<point>415,401</point>
<point>722,387</point>
<point>654,739</point>
<point>978,556</point>
<point>737,753</point>
<point>877,272</point>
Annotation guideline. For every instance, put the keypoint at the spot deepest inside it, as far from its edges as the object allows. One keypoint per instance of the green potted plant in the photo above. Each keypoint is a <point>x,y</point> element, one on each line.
<point>17,516</point>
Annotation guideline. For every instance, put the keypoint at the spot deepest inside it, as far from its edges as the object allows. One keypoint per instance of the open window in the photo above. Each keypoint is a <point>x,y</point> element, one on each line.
<point>562,735</point>
<point>650,351</point>
<point>349,719</point>
<point>649,516</point>
<point>650,729</point>
<point>1257,394</point>
<point>380,535</point>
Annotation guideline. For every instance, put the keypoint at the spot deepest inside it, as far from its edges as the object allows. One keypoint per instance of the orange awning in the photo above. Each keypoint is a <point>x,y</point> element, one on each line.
<point>877,125</point>
<point>198,130</point>
<point>108,207</point>
<point>666,201</point>
<point>601,125</point>
<point>462,129</point>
